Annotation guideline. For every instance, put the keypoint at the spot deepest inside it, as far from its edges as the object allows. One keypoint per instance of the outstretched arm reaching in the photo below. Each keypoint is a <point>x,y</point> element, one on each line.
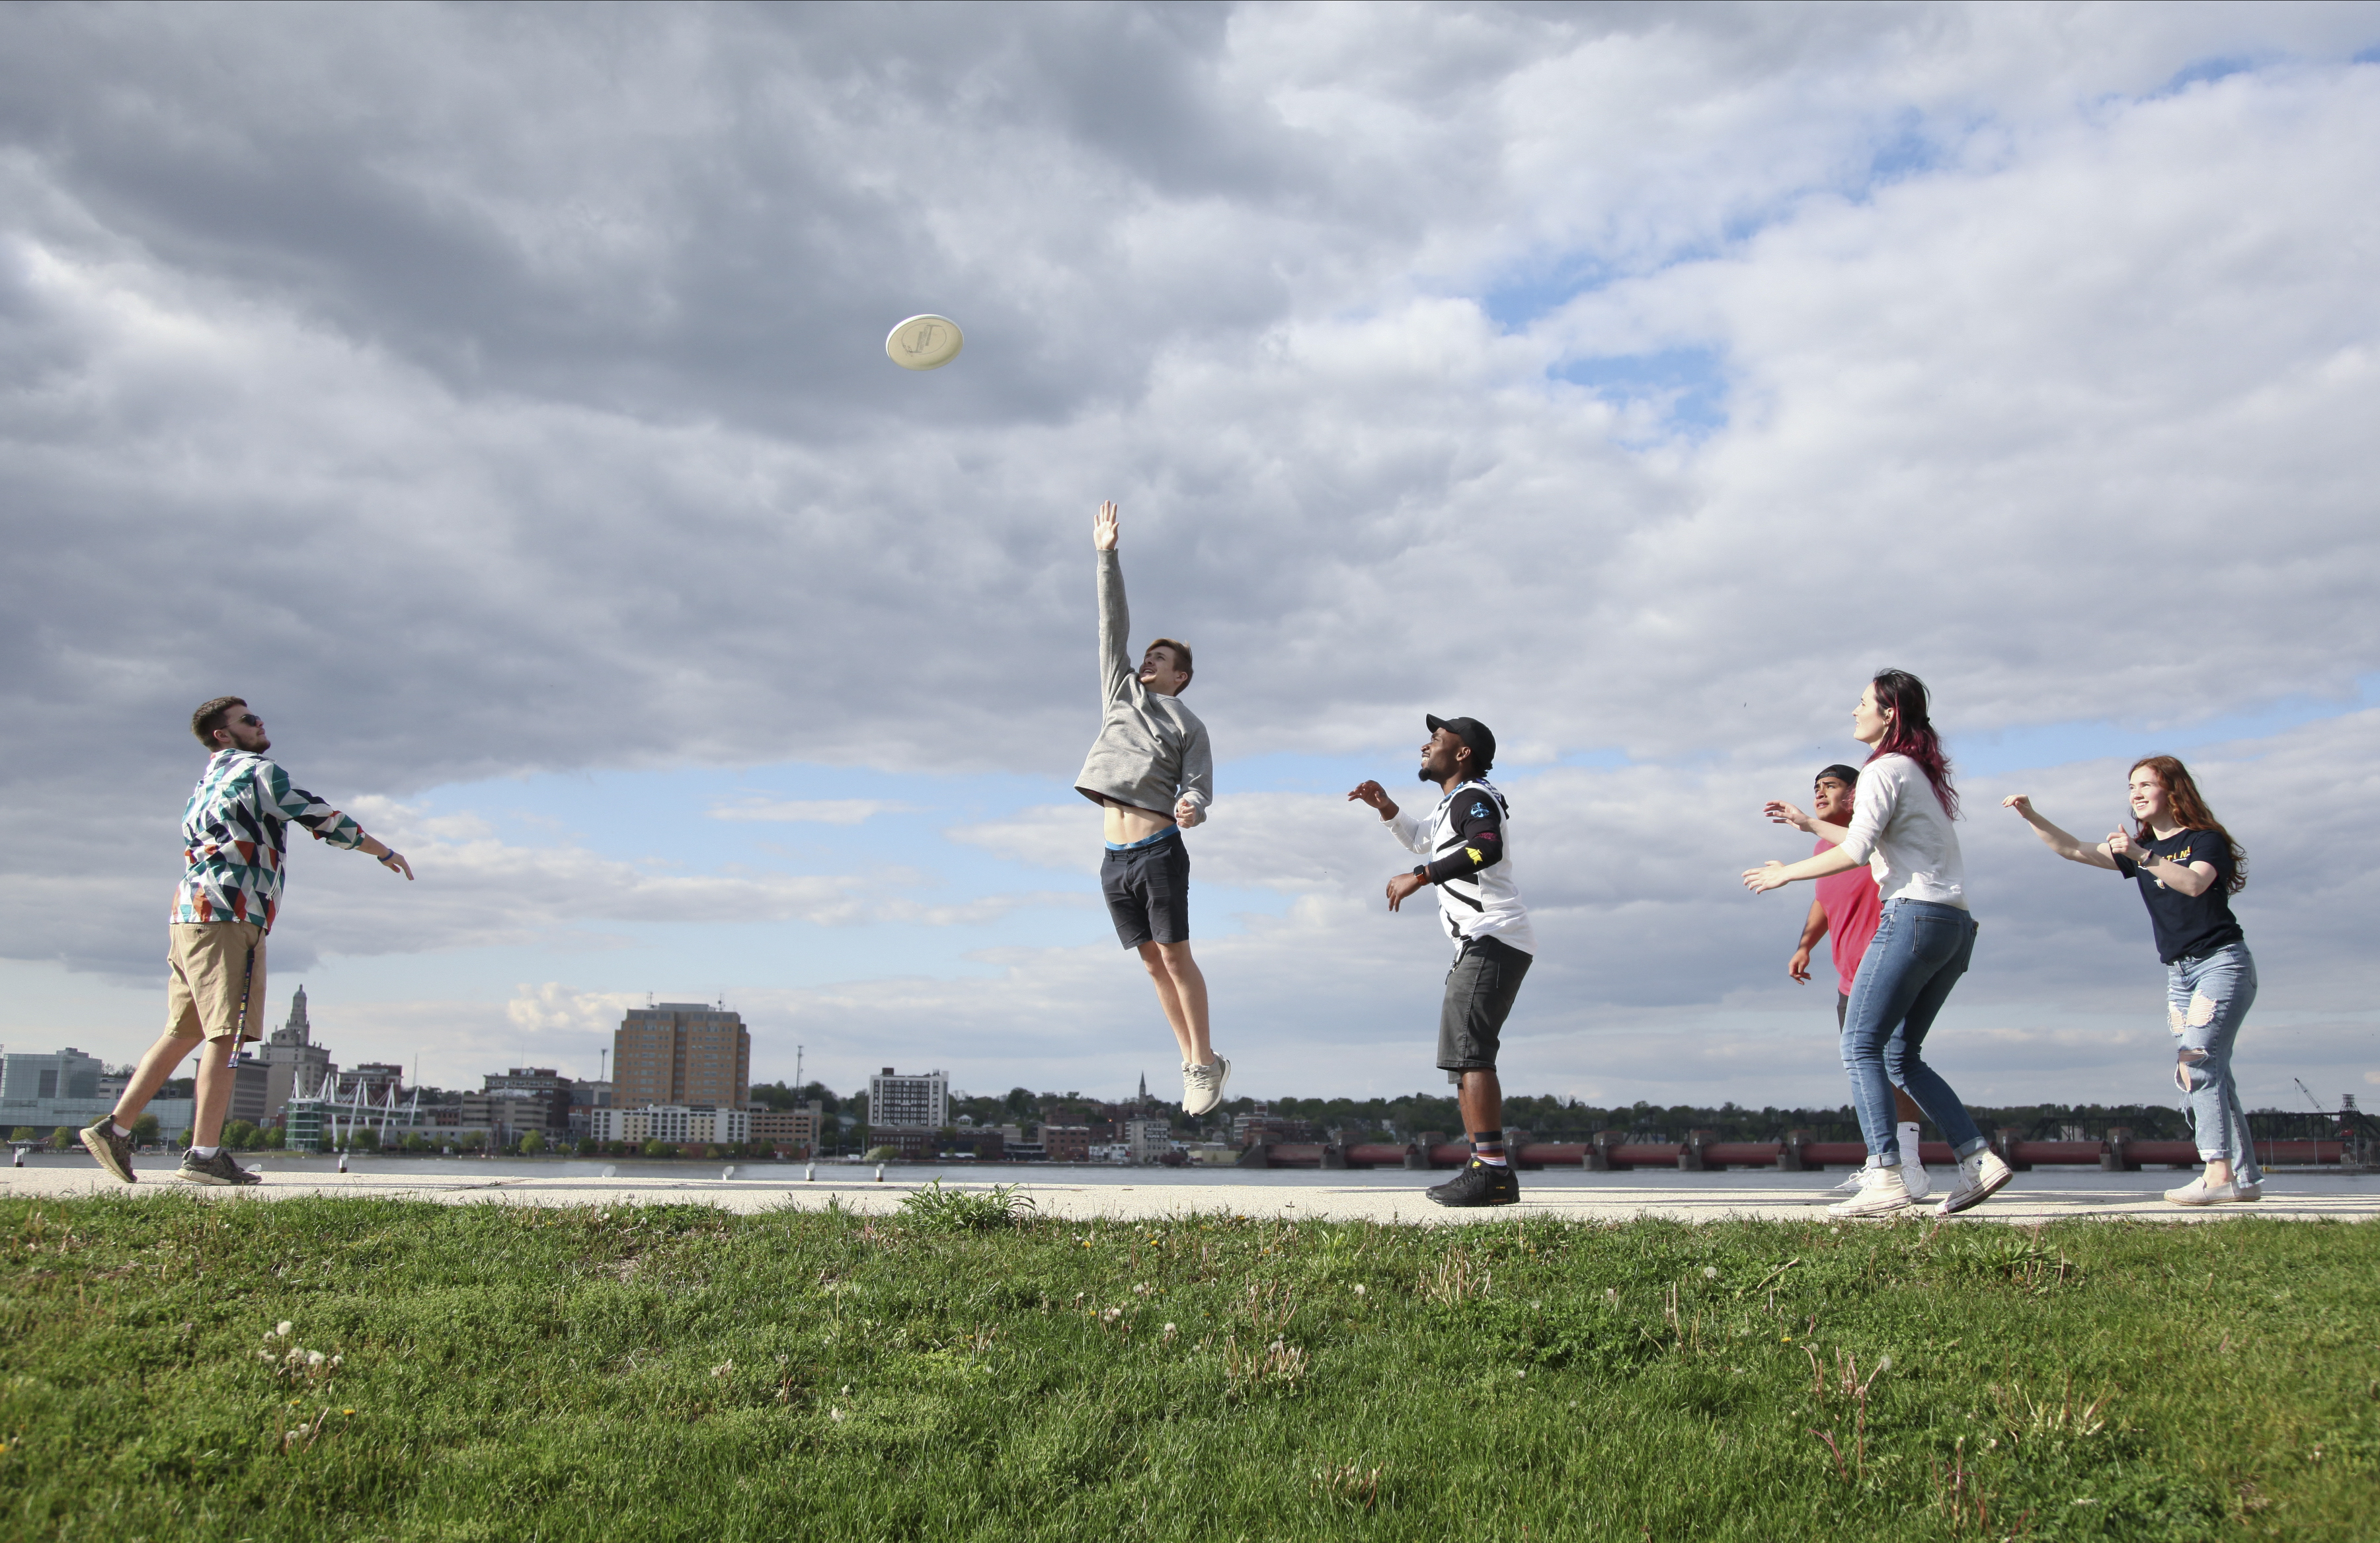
<point>2066,847</point>
<point>1117,677</point>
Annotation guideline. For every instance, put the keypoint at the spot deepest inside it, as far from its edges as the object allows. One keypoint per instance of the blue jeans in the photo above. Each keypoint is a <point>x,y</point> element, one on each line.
<point>2206,1000</point>
<point>1918,953</point>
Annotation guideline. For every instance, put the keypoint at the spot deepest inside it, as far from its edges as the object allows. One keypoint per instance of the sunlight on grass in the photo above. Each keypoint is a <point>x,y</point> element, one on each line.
<point>174,1367</point>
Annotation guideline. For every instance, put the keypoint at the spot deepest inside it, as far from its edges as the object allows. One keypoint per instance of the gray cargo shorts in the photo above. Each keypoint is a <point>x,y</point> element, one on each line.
<point>1479,993</point>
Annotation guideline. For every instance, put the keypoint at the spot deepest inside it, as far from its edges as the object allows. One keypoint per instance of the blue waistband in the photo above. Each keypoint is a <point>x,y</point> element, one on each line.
<point>1144,841</point>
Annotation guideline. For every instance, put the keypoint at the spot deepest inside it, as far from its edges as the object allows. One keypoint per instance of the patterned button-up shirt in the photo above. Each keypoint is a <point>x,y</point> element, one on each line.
<point>235,836</point>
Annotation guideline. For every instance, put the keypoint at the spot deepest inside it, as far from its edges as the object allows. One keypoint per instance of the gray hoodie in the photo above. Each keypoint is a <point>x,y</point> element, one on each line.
<point>1151,749</point>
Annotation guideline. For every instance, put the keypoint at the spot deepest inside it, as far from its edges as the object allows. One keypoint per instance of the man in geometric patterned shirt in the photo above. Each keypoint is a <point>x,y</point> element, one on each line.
<point>234,841</point>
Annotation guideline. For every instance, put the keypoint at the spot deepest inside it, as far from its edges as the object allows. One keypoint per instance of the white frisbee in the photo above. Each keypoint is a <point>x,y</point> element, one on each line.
<point>927,342</point>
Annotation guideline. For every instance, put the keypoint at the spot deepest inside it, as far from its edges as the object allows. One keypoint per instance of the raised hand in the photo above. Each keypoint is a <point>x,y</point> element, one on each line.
<point>2020,802</point>
<point>1377,796</point>
<point>1103,528</point>
<point>1780,812</point>
<point>1769,875</point>
<point>1187,813</point>
<point>2122,845</point>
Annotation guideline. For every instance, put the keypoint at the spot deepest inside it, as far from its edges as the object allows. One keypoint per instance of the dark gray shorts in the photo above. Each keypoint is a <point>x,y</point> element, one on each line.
<point>1479,991</point>
<point>1148,892</point>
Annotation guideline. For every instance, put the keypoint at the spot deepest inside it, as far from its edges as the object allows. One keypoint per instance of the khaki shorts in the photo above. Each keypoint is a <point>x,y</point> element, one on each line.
<point>216,988</point>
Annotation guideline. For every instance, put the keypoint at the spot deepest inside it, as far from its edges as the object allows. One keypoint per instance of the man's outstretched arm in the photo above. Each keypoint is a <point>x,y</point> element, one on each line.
<point>1117,677</point>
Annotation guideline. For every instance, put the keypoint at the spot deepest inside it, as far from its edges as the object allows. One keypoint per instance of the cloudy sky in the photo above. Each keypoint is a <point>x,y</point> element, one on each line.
<point>496,398</point>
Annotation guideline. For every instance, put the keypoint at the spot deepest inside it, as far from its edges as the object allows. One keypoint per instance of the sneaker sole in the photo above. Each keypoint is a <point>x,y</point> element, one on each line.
<point>106,1157</point>
<point>207,1179</point>
<point>1474,1205</point>
<point>1868,1210</point>
<point>1953,1204</point>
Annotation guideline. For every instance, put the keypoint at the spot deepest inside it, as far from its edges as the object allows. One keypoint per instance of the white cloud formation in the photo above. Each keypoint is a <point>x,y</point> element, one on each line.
<point>818,811</point>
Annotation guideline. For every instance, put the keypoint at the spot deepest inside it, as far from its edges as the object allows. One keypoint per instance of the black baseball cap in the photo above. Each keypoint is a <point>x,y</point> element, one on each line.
<point>1472,731</point>
<point>1848,776</point>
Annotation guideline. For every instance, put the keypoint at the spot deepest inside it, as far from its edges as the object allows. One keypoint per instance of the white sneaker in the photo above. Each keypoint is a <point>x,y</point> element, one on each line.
<point>1980,1177</point>
<point>1915,1178</point>
<point>1881,1193</point>
<point>2198,1192</point>
<point>1202,1087</point>
<point>1851,1185</point>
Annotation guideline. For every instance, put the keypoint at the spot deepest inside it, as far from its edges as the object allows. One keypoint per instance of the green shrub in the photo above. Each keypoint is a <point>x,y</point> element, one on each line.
<point>144,1130</point>
<point>276,1139</point>
<point>655,1146</point>
<point>533,1143</point>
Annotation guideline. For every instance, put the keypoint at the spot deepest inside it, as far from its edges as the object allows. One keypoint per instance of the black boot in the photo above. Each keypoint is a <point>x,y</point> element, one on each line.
<point>1479,1183</point>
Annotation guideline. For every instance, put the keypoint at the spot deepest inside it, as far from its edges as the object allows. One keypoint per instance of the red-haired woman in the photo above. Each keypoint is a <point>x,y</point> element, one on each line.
<point>1900,828</point>
<point>2188,867</point>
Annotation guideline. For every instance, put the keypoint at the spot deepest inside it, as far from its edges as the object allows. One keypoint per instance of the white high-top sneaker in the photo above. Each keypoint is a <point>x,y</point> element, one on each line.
<point>1881,1193</point>
<point>1980,1177</point>
<point>1913,1176</point>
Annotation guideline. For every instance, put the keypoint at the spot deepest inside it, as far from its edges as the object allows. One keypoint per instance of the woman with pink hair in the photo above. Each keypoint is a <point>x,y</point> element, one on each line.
<point>1901,827</point>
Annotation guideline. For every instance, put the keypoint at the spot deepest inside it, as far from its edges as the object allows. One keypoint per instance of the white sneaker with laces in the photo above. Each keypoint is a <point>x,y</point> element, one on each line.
<point>1851,1185</point>
<point>1881,1193</point>
<point>1202,1087</point>
<point>1980,1177</point>
<point>1919,1182</point>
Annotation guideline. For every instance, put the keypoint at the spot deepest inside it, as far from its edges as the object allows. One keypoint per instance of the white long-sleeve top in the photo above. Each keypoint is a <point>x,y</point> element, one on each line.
<point>1899,830</point>
<point>1480,902</point>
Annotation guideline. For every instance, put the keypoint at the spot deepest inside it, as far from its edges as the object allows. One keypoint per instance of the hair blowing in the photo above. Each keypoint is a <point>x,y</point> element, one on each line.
<point>2190,811</point>
<point>212,716</point>
<point>1911,733</point>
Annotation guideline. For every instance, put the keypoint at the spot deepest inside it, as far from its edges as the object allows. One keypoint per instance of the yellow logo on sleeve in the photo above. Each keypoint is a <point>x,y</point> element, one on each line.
<point>1476,855</point>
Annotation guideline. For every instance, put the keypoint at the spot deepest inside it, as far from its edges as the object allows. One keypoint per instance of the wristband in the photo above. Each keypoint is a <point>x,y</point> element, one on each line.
<point>390,856</point>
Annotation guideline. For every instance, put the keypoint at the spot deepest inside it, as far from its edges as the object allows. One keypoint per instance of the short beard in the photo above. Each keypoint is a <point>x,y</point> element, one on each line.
<point>1432,778</point>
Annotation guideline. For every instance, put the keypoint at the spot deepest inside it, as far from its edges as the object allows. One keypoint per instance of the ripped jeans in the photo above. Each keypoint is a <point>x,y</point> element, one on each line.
<point>2206,1000</point>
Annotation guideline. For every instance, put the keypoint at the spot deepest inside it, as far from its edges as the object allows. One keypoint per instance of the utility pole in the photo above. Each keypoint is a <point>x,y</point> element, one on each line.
<point>798,1084</point>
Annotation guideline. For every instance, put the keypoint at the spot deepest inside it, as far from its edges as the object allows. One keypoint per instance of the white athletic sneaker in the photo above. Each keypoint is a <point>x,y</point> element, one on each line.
<point>1851,1185</point>
<point>1881,1193</point>
<point>1919,1182</point>
<point>1202,1087</point>
<point>1980,1177</point>
<point>2198,1192</point>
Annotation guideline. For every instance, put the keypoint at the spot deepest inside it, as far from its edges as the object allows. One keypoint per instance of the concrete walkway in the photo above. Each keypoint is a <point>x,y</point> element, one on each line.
<point>1081,1194</point>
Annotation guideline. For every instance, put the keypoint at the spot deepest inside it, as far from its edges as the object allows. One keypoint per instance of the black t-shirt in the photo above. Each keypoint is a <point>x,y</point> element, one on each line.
<point>2188,926</point>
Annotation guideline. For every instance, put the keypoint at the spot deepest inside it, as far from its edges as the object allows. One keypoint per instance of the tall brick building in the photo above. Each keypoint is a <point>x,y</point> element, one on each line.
<point>682,1052</point>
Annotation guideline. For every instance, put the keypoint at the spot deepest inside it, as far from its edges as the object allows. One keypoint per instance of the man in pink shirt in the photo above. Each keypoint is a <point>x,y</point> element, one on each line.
<point>1848,908</point>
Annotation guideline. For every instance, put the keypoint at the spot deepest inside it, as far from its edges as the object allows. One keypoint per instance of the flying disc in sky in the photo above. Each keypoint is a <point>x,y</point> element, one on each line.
<point>927,342</point>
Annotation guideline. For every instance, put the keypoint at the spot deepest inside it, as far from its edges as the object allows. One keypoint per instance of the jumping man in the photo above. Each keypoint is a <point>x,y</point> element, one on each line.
<point>1467,851</point>
<point>233,839</point>
<point>1152,773</point>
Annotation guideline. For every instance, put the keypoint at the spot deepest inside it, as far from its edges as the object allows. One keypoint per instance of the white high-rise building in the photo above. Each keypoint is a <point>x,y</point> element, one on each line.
<point>919,1099</point>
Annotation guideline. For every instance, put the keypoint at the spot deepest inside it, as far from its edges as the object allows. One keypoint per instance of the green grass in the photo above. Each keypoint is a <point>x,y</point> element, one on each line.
<point>680,1372</point>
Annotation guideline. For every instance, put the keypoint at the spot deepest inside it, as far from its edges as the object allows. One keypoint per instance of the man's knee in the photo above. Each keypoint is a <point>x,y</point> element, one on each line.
<point>1176,957</point>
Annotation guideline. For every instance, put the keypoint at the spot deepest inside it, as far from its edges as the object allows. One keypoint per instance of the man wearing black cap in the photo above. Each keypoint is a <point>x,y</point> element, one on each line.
<point>1467,851</point>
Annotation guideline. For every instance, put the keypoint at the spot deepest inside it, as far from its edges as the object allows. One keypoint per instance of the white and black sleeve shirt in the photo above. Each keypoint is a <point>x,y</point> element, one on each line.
<point>1468,846</point>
